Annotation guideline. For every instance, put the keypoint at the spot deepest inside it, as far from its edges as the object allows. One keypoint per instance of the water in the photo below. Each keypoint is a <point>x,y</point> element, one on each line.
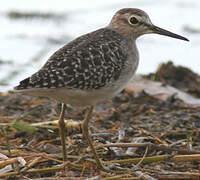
<point>27,43</point>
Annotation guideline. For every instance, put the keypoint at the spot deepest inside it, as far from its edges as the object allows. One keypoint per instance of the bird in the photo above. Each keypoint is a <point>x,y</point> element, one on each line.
<point>93,68</point>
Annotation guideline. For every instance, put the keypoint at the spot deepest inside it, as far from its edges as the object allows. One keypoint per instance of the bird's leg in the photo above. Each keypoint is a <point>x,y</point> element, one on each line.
<point>87,136</point>
<point>62,132</point>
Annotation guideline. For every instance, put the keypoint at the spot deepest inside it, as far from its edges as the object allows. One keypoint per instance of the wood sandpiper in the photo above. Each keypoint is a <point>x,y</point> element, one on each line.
<point>92,68</point>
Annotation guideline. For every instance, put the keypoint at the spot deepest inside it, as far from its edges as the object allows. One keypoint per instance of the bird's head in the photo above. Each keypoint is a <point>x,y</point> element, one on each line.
<point>134,22</point>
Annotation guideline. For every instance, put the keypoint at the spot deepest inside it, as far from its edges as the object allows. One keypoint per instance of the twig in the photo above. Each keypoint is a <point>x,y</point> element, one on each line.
<point>7,144</point>
<point>179,175</point>
<point>145,154</point>
<point>12,161</point>
<point>144,176</point>
<point>177,158</point>
<point>12,151</point>
<point>44,170</point>
<point>150,146</point>
<point>33,163</point>
<point>119,177</point>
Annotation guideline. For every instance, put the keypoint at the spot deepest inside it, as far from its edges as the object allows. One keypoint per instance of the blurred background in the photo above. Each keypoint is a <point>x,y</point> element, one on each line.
<point>30,31</point>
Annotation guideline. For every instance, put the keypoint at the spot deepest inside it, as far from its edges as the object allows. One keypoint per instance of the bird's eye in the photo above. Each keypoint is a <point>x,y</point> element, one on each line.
<point>133,20</point>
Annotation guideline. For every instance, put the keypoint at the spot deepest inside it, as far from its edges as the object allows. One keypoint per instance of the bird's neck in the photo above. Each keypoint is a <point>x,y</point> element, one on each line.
<point>123,31</point>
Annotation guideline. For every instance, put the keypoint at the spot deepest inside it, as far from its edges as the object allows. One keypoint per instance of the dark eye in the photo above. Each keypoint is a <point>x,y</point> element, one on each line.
<point>133,20</point>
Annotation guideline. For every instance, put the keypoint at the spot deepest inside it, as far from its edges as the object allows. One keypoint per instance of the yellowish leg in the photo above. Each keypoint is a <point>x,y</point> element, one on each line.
<point>62,132</point>
<point>87,136</point>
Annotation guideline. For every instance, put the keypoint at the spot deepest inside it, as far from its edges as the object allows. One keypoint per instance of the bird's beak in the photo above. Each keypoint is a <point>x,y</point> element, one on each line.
<point>164,32</point>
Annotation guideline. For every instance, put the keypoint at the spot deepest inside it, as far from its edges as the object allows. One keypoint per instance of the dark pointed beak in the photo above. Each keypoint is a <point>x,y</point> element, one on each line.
<point>164,32</point>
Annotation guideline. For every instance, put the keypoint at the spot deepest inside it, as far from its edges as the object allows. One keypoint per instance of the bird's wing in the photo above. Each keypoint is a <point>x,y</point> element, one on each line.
<point>88,62</point>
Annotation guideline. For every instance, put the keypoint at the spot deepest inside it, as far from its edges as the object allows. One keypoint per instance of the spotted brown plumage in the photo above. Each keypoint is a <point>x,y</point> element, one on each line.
<point>90,62</point>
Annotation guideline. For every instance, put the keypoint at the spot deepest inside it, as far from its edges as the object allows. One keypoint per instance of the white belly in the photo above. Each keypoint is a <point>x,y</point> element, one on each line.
<point>75,96</point>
